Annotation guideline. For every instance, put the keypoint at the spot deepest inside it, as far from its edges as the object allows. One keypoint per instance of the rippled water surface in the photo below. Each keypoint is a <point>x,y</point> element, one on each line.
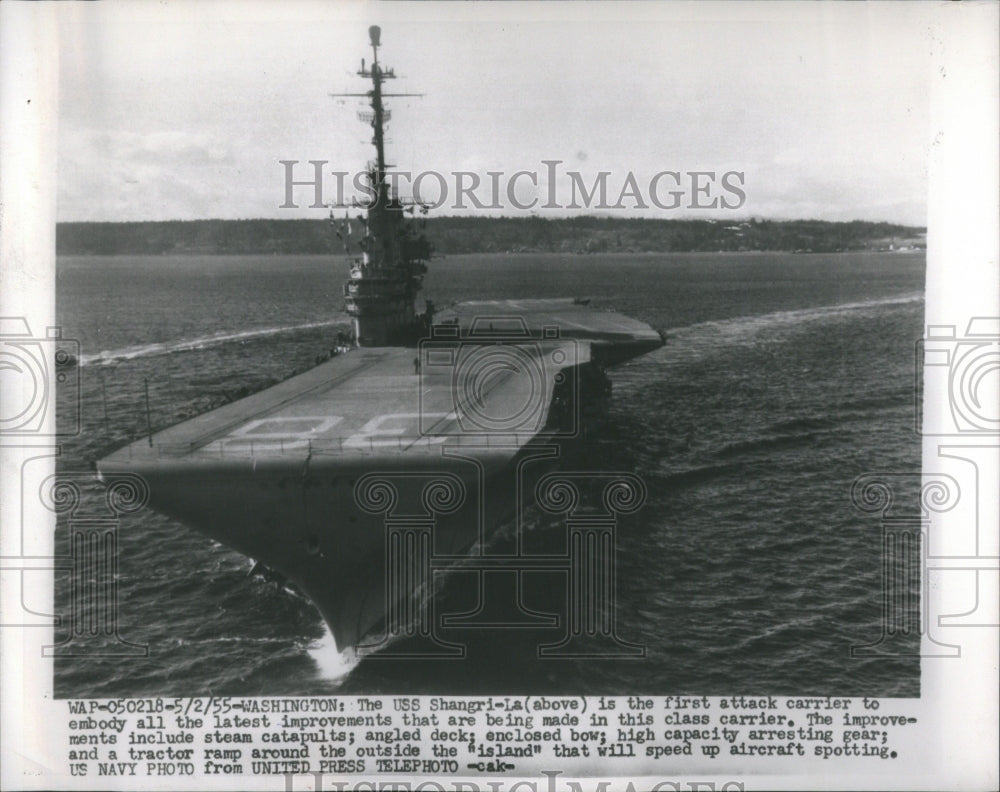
<point>784,378</point>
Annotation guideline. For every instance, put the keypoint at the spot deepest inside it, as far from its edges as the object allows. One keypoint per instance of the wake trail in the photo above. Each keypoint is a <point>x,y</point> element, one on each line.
<point>744,328</point>
<point>112,356</point>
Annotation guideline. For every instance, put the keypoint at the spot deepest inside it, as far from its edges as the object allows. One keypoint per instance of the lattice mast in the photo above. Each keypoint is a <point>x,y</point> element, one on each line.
<point>384,282</point>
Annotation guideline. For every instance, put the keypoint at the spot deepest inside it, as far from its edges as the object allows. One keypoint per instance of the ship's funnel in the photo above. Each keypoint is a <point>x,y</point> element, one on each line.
<point>375,33</point>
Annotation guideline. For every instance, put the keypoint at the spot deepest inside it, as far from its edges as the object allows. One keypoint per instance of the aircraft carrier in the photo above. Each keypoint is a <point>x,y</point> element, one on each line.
<point>362,479</point>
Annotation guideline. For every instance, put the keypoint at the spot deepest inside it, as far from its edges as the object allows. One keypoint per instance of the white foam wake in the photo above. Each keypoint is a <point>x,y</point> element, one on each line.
<point>186,345</point>
<point>744,325</point>
<point>691,342</point>
<point>332,664</point>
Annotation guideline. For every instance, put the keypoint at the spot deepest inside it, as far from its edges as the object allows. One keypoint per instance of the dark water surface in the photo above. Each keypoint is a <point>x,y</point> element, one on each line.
<point>784,378</point>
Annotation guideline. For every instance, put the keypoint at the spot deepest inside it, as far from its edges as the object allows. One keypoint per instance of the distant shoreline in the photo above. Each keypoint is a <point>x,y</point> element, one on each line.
<point>496,235</point>
<point>637,254</point>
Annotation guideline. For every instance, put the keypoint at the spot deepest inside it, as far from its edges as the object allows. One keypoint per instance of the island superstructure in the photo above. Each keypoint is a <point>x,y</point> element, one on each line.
<point>362,478</point>
<point>386,278</point>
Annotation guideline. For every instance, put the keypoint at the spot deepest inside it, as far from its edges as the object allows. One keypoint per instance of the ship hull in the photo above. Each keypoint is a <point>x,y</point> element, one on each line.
<point>366,477</point>
<point>365,543</point>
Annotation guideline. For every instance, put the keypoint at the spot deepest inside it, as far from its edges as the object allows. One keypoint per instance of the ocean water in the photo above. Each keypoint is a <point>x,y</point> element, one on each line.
<point>784,378</point>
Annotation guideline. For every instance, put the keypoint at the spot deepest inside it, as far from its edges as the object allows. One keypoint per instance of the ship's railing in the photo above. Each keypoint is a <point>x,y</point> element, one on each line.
<point>357,444</point>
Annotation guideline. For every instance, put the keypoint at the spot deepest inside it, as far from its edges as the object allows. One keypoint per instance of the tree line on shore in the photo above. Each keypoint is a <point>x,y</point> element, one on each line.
<point>455,235</point>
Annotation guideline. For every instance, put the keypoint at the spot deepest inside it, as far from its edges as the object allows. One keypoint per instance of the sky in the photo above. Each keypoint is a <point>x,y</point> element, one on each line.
<point>182,110</point>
